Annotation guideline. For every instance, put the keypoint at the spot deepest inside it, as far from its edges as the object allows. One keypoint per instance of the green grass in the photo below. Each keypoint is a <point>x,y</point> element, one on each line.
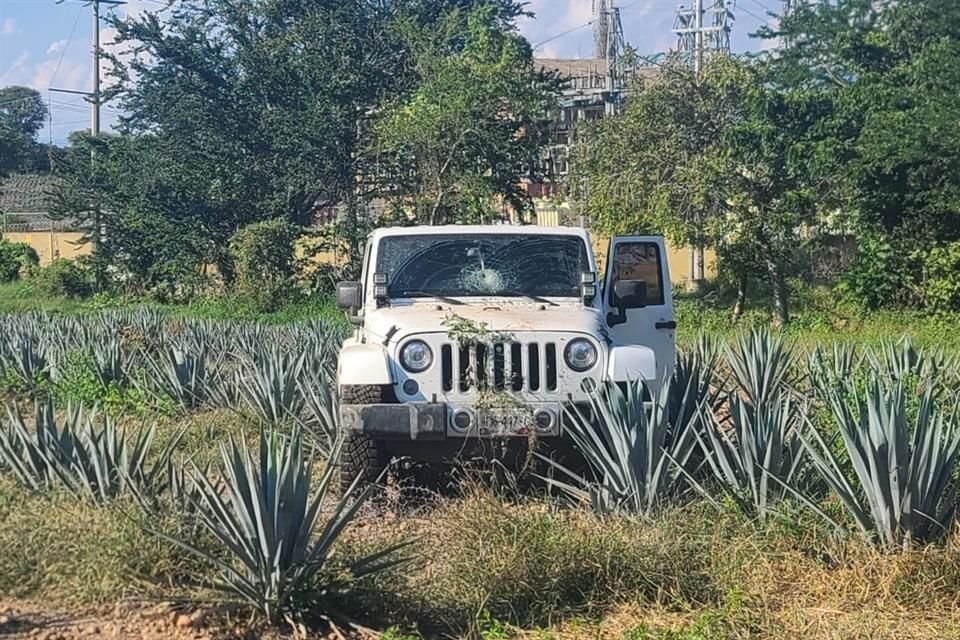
<point>817,318</point>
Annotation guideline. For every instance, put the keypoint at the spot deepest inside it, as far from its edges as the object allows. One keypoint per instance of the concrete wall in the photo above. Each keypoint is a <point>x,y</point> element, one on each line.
<point>50,245</point>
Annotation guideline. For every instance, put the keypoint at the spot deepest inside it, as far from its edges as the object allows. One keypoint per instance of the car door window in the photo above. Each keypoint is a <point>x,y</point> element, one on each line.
<point>638,261</point>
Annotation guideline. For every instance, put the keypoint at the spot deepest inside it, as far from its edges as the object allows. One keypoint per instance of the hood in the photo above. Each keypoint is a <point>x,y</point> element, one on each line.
<point>509,317</point>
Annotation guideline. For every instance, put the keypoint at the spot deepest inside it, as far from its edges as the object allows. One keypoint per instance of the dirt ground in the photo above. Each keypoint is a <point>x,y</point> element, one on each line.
<point>133,620</point>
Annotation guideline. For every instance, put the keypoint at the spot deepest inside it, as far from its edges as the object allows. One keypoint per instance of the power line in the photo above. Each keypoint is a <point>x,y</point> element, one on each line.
<point>66,46</point>
<point>585,25</point>
<point>750,13</point>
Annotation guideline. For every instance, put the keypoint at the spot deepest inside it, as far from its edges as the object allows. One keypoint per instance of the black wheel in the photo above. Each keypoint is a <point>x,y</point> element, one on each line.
<point>361,456</point>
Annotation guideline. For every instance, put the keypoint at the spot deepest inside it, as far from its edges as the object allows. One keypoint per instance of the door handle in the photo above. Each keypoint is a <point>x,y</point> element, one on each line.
<point>666,325</point>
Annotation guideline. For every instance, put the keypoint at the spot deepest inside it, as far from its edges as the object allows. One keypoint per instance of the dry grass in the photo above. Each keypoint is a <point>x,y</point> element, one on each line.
<point>59,548</point>
<point>491,568</point>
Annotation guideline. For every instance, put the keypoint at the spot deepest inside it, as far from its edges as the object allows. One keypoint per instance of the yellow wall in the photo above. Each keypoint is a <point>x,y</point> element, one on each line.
<point>64,244</point>
<point>678,259</point>
<point>52,244</point>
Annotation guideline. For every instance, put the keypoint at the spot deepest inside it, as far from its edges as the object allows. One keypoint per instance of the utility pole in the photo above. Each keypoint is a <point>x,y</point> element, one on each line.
<point>608,45</point>
<point>93,97</point>
<point>95,100</point>
<point>696,40</point>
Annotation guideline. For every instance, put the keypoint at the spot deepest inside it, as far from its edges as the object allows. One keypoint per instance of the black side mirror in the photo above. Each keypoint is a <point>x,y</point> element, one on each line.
<point>349,295</point>
<point>630,294</point>
<point>627,294</point>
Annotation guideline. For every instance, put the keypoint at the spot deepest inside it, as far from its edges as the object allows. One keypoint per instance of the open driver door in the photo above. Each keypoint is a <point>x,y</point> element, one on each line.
<point>637,298</point>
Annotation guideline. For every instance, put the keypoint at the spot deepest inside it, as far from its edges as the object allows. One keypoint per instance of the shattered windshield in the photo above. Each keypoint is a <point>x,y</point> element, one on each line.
<point>483,265</point>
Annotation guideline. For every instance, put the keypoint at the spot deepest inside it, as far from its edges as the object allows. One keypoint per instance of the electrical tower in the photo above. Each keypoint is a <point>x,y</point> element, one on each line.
<point>702,30</point>
<point>607,30</point>
<point>608,42</point>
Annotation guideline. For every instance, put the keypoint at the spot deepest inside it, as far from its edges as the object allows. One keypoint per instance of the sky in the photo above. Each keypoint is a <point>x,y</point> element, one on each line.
<point>45,44</point>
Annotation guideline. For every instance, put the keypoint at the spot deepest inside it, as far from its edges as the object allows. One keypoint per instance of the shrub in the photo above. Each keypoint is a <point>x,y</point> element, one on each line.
<point>16,258</point>
<point>264,263</point>
<point>878,277</point>
<point>941,286</point>
<point>65,278</point>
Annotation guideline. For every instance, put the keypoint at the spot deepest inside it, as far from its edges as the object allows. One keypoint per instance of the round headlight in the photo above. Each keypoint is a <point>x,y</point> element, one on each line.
<point>416,356</point>
<point>580,354</point>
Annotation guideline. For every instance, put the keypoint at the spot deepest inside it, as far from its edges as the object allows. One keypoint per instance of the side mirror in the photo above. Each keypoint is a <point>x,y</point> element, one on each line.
<point>349,295</point>
<point>630,294</point>
<point>627,294</point>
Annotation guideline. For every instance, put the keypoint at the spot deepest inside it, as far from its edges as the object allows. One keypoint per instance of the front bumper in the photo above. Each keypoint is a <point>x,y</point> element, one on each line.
<point>414,421</point>
<point>425,421</point>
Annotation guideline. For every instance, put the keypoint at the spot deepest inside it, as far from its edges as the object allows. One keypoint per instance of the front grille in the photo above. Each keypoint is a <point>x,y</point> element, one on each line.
<point>502,366</point>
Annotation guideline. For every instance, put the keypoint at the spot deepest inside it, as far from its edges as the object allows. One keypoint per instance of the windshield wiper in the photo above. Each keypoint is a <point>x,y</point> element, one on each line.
<point>528,296</point>
<point>404,294</point>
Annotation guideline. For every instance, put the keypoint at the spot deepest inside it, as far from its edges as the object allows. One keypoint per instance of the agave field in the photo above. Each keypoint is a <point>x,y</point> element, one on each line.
<point>845,446</point>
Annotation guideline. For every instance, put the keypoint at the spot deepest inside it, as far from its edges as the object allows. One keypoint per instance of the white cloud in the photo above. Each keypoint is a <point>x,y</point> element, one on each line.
<point>8,27</point>
<point>56,47</point>
<point>554,17</point>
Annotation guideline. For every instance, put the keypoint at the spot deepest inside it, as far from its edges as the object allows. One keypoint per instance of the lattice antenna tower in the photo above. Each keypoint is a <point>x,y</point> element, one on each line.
<point>703,28</point>
<point>608,39</point>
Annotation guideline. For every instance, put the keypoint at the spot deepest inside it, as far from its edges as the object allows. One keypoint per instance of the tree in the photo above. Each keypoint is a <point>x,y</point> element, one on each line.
<point>22,114</point>
<point>259,103</point>
<point>153,211</point>
<point>759,182</point>
<point>711,161</point>
<point>890,147</point>
<point>473,124</point>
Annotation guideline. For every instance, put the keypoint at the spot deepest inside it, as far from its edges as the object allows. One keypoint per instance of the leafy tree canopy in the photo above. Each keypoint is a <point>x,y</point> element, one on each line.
<point>22,114</point>
<point>474,123</point>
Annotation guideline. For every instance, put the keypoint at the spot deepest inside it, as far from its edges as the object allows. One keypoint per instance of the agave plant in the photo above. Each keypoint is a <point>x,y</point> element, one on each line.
<point>91,461</point>
<point>901,361</point>
<point>269,386</point>
<point>182,375</point>
<point>757,454</point>
<point>111,362</point>
<point>637,455</point>
<point>320,407</point>
<point>761,365</point>
<point>825,371</point>
<point>898,485</point>
<point>694,382</point>
<point>277,540</point>
<point>26,359</point>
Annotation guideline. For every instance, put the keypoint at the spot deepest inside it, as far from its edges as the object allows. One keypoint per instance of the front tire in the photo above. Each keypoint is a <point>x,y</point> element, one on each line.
<point>360,455</point>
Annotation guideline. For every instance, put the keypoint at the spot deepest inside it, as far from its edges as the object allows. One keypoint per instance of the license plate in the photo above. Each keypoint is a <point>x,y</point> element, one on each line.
<point>505,422</point>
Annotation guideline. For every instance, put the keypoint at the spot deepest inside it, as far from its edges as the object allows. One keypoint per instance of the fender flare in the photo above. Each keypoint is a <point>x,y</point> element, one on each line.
<point>363,363</point>
<point>630,362</point>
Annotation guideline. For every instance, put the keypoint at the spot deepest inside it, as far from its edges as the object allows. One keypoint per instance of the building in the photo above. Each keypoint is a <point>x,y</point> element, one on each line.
<point>593,89</point>
<point>25,203</point>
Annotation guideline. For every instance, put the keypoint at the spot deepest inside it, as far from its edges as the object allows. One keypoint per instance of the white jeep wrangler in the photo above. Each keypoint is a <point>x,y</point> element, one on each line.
<point>470,336</point>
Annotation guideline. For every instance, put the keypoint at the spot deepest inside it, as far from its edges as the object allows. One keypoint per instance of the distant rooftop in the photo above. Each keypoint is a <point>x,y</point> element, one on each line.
<point>585,67</point>
<point>26,193</point>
